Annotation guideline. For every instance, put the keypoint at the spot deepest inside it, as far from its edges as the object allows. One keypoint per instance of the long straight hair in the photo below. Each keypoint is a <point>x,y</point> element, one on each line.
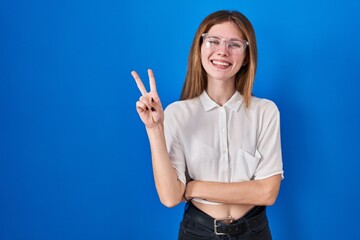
<point>196,77</point>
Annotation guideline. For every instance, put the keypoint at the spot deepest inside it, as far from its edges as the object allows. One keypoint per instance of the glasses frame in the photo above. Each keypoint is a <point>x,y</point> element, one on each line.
<point>224,40</point>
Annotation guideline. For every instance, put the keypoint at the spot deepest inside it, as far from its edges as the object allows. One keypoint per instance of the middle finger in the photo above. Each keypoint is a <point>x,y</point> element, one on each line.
<point>152,81</point>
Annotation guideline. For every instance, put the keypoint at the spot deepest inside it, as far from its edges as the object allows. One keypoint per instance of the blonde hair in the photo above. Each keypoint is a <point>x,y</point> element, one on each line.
<point>196,77</point>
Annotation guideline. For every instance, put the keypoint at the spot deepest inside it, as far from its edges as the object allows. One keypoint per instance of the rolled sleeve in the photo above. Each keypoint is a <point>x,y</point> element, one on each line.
<point>174,147</point>
<point>269,144</point>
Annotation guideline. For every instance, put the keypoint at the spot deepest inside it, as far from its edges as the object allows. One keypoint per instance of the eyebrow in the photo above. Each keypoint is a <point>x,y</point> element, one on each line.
<point>229,39</point>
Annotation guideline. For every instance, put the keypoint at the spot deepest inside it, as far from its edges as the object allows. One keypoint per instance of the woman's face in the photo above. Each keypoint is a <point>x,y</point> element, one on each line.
<point>220,58</point>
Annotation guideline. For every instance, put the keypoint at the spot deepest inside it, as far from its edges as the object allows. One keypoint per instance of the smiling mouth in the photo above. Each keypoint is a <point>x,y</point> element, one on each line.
<point>220,63</point>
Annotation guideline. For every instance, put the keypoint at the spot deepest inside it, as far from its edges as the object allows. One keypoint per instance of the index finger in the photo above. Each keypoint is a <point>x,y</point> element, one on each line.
<point>152,81</point>
<point>139,83</point>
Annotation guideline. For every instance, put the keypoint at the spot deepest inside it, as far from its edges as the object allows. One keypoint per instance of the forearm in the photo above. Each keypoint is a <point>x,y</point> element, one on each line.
<point>256,192</point>
<point>170,189</point>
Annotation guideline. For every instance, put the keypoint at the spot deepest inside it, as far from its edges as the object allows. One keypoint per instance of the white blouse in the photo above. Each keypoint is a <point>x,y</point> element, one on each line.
<point>229,143</point>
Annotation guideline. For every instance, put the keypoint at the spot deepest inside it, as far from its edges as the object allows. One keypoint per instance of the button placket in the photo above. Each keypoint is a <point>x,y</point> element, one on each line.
<point>224,161</point>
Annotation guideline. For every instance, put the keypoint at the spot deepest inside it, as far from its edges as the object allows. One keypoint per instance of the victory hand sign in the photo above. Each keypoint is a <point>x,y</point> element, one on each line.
<point>149,106</point>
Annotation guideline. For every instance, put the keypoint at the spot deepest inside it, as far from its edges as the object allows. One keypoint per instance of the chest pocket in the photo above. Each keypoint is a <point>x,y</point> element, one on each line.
<point>246,165</point>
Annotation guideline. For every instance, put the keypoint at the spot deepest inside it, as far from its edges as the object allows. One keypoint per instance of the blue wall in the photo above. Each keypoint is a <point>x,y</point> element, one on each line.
<point>74,156</point>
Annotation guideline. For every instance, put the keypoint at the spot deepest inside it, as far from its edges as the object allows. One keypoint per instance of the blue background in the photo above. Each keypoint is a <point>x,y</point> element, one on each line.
<point>74,156</point>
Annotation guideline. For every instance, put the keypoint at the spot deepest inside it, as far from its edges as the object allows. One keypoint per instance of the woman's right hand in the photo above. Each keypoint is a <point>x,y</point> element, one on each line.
<point>149,105</point>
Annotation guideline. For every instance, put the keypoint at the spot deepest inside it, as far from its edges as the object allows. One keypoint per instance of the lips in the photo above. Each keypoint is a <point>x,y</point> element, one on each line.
<point>220,63</point>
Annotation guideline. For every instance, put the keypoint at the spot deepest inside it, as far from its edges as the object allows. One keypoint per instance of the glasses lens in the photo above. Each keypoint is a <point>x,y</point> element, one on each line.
<point>233,46</point>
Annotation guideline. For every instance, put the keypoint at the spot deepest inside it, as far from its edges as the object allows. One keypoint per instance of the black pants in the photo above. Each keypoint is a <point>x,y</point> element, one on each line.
<point>197,225</point>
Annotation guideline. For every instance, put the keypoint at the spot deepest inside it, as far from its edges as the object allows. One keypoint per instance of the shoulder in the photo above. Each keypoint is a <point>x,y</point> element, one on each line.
<point>179,114</point>
<point>183,106</point>
<point>263,109</point>
<point>262,104</point>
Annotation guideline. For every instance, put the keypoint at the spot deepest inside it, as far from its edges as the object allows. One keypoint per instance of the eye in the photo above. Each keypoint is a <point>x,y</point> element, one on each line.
<point>235,45</point>
<point>213,41</point>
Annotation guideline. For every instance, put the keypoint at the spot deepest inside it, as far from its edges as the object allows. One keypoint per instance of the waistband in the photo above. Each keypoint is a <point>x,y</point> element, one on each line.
<point>252,219</point>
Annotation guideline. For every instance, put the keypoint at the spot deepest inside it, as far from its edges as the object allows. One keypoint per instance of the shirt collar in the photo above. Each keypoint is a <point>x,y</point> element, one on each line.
<point>234,102</point>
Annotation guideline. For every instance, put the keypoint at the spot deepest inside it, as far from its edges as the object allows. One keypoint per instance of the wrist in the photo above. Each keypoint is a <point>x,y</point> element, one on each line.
<point>188,194</point>
<point>158,128</point>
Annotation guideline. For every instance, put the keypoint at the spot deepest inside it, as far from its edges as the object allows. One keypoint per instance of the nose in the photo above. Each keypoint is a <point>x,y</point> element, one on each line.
<point>223,49</point>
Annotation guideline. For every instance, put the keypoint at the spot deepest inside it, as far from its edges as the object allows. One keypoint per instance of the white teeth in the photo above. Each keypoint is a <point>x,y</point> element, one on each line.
<point>221,63</point>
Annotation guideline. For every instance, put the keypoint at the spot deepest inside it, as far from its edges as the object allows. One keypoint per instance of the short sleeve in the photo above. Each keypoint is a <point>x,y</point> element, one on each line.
<point>269,144</point>
<point>174,145</point>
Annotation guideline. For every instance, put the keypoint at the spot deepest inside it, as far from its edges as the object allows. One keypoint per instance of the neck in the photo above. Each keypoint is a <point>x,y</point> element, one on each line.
<point>220,91</point>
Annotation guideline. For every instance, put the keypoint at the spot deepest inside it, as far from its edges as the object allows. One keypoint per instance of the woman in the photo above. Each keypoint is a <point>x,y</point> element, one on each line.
<point>218,148</point>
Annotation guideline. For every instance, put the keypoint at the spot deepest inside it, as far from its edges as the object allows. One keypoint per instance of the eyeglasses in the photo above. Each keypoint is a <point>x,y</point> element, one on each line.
<point>232,45</point>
